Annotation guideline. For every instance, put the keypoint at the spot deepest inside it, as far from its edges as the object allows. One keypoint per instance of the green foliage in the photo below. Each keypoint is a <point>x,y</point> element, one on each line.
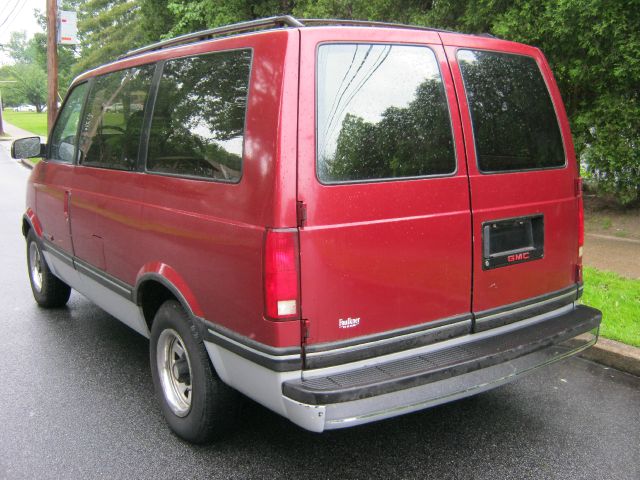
<point>608,135</point>
<point>107,29</point>
<point>30,57</point>
<point>66,60</point>
<point>28,77</point>
<point>30,85</point>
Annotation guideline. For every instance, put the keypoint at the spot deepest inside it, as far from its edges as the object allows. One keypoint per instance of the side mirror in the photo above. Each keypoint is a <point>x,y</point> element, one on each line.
<point>27,148</point>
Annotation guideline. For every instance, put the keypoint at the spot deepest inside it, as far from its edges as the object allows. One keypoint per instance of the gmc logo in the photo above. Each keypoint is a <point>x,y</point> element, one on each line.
<point>518,256</point>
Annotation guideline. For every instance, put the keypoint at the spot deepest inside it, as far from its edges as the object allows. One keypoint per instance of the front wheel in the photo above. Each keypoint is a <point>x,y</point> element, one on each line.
<point>197,405</point>
<point>48,290</point>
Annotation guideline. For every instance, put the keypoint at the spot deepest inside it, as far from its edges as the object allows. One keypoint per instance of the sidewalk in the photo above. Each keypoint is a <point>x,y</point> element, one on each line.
<point>15,133</point>
<point>619,255</point>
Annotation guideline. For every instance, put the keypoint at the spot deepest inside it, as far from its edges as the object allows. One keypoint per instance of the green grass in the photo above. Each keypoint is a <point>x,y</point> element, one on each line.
<point>30,121</point>
<point>619,300</point>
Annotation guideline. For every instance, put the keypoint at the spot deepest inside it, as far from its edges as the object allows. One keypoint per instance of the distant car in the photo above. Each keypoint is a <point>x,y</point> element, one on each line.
<point>25,108</point>
<point>344,222</point>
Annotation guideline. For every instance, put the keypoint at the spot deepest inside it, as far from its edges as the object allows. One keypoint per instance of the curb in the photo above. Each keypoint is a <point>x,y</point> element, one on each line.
<point>615,354</point>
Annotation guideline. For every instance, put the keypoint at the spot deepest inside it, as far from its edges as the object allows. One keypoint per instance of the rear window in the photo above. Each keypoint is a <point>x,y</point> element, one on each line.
<point>381,114</point>
<point>514,123</point>
<point>197,128</point>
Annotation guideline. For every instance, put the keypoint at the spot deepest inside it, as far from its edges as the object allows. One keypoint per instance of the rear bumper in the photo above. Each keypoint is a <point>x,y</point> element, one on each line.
<point>376,389</point>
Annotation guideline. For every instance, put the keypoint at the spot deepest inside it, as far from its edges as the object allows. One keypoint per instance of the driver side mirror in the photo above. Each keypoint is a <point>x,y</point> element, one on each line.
<point>27,148</point>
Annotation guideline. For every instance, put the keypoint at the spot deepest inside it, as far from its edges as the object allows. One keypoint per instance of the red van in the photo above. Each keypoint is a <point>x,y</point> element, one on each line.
<point>344,221</point>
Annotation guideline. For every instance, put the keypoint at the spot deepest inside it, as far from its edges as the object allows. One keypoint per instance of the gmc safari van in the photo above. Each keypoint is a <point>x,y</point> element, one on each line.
<point>344,221</point>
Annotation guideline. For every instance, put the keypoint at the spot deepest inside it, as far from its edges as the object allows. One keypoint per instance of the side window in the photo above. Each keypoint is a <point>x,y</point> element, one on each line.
<point>198,118</point>
<point>63,138</point>
<point>111,127</point>
<point>381,114</point>
<point>514,123</point>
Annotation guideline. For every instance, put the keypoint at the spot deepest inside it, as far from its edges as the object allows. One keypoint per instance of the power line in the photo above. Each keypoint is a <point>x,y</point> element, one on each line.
<point>329,115</point>
<point>12,10</point>
<point>359,84</point>
<point>331,118</point>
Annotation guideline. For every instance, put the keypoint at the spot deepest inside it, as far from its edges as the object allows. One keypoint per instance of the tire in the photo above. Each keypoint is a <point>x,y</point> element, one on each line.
<point>196,404</point>
<point>48,290</point>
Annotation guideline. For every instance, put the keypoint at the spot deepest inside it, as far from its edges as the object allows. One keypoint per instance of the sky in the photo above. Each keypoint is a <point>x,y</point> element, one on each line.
<point>16,16</point>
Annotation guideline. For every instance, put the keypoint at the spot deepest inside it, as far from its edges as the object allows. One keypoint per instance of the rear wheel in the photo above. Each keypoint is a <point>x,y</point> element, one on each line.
<point>197,405</point>
<point>48,290</point>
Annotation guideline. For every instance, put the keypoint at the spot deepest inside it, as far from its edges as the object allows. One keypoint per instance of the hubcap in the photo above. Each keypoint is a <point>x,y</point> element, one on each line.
<point>35,266</point>
<point>174,370</point>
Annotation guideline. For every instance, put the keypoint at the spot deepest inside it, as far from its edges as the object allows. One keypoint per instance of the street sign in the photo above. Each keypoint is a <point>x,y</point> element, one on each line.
<point>68,28</point>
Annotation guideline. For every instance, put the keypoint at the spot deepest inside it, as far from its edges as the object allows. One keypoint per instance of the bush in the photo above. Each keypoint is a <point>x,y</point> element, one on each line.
<point>608,147</point>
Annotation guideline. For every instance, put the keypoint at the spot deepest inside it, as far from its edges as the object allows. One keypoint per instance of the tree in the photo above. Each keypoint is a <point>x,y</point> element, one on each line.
<point>30,86</point>
<point>107,29</point>
<point>29,78</point>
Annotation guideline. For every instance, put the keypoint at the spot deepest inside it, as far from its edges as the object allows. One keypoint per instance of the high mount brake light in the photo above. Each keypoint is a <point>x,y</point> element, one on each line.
<point>281,295</point>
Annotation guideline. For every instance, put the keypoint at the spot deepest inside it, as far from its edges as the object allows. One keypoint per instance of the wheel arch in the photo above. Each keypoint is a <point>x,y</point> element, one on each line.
<point>30,221</point>
<point>157,283</point>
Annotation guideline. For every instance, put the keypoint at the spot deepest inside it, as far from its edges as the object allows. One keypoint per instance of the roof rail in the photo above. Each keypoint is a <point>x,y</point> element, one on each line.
<point>365,23</point>
<point>286,20</point>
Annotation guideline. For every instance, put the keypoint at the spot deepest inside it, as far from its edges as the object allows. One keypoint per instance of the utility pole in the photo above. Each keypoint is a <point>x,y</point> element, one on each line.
<point>52,63</point>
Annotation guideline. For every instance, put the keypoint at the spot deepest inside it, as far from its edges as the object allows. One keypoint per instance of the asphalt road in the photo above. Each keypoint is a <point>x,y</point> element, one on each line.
<point>76,401</point>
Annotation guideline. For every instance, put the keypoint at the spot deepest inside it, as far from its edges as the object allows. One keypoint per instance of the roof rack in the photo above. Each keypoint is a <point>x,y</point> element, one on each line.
<point>365,23</point>
<point>284,20</point>
<point>281,20</point>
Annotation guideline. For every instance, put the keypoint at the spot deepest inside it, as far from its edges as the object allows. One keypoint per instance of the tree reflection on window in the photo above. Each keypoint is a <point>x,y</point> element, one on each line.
<point>110,134</point>
<point>198,120</point>
<point>382,113</point>
<point>514,123</point>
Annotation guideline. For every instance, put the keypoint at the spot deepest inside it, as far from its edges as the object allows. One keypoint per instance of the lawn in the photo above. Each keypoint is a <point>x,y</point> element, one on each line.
<point>29,121</point>
<point>619,300</point>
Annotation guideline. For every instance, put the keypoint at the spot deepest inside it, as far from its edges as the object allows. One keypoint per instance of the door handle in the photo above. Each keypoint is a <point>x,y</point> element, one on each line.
<point>67,197</point>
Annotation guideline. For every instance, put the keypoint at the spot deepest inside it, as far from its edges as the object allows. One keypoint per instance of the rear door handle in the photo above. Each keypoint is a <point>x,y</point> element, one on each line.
<point>67,197</point>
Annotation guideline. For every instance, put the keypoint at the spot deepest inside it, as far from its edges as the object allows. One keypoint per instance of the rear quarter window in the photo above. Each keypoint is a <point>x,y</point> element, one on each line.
<point>381,113</point>
<point>198,121</point>
<point>514,122</point>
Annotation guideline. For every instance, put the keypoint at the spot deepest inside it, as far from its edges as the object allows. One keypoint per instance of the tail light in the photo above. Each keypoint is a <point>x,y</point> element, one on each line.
<point>281,291</point>
<point>580,230</point>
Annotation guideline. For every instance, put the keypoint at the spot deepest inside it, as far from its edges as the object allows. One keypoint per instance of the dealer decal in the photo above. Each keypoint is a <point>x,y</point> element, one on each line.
<point>348,322</point>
